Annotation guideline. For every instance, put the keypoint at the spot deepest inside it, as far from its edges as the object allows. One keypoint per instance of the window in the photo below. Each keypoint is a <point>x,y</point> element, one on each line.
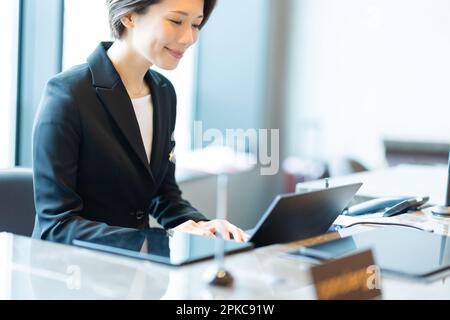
<point>85,25</point>
<point>9,27</point>
<point>80,39</point>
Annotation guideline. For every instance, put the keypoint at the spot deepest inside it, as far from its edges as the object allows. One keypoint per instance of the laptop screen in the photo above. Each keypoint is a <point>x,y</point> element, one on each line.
<point>298,216</point>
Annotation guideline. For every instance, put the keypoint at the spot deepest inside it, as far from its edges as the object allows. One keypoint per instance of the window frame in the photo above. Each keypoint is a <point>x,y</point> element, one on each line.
<point>9,122</point>
<point>40,58</point>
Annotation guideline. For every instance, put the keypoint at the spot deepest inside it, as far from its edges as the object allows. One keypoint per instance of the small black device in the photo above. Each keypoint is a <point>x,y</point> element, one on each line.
<point>445,210</point>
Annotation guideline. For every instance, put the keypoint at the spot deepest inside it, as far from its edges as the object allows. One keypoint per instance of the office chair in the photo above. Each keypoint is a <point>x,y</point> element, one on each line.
<point>17,209</point>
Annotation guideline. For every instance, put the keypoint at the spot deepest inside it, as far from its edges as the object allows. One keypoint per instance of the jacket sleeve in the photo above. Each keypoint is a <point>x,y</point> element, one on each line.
<point>168,207</point>
<point>56,139</point>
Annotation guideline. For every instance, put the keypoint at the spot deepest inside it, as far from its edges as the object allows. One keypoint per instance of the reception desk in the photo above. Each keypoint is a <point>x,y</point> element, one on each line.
<point>32,269</point>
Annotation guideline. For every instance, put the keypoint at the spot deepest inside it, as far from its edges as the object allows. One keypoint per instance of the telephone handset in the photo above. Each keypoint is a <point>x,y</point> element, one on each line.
<point>390,206</point>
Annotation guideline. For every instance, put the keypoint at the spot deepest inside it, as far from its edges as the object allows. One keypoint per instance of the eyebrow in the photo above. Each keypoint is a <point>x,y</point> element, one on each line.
<point>184,13</point>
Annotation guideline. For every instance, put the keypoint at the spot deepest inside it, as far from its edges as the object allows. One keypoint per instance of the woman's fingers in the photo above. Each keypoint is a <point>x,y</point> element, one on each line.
<point>225,228</point>
<point>226,235</point>
<point>192,227</point>
<point>210,225</point>
<point>228,229</point>
<point>236,235</point>
<point>211,228</point>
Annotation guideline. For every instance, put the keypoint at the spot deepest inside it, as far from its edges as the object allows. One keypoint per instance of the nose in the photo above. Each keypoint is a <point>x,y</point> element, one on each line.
<point>189,36</point>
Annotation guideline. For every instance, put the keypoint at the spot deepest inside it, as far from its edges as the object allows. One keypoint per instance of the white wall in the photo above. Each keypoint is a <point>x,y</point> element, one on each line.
<point>363,70</point>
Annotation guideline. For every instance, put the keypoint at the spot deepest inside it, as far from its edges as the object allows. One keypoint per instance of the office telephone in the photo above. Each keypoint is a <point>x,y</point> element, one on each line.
<point>390,206</point>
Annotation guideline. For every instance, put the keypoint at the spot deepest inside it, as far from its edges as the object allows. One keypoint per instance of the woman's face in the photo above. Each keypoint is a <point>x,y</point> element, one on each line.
<point>166,31</point>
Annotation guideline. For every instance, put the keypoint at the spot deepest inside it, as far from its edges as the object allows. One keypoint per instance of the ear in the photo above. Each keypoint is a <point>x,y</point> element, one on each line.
<point>128,21</point>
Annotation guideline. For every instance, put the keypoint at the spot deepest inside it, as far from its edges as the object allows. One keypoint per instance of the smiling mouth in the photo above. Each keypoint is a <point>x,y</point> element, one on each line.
<point>176,54</point>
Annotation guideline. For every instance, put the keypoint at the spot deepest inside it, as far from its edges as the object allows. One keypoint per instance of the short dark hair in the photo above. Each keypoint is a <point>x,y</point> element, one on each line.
<point>120,8</point>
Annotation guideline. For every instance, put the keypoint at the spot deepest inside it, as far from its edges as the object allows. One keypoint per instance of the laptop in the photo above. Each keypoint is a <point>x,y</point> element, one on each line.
<point>298,216</point>
<point>290,217</point>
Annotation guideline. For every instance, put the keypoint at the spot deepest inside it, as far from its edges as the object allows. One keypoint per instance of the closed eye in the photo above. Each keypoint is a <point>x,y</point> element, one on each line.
<point>178,23</point>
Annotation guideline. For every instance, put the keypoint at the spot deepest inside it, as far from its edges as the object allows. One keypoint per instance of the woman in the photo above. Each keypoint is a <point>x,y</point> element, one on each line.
<point>102,141</point>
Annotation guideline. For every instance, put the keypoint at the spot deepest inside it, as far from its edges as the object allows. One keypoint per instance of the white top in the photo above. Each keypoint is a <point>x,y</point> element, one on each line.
<point>143,108</point>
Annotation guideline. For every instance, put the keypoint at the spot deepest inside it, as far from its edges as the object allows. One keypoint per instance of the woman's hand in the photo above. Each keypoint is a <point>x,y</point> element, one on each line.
<point>211,228</point>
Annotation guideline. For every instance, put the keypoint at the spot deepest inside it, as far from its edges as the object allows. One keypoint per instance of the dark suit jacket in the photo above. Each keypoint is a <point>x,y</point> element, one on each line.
<point>91,175</point>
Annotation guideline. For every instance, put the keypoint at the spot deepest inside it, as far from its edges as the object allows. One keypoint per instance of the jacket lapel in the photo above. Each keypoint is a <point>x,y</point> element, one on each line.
<point>121,110</point>
<point>114,97</point>
<point>161,121</point>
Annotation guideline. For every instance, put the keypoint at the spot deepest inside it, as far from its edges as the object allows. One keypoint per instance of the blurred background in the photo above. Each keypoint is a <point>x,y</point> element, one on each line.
<point>352,85</point>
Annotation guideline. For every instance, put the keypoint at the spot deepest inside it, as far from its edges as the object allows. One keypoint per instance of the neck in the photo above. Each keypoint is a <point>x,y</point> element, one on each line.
<point>130,66</point>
